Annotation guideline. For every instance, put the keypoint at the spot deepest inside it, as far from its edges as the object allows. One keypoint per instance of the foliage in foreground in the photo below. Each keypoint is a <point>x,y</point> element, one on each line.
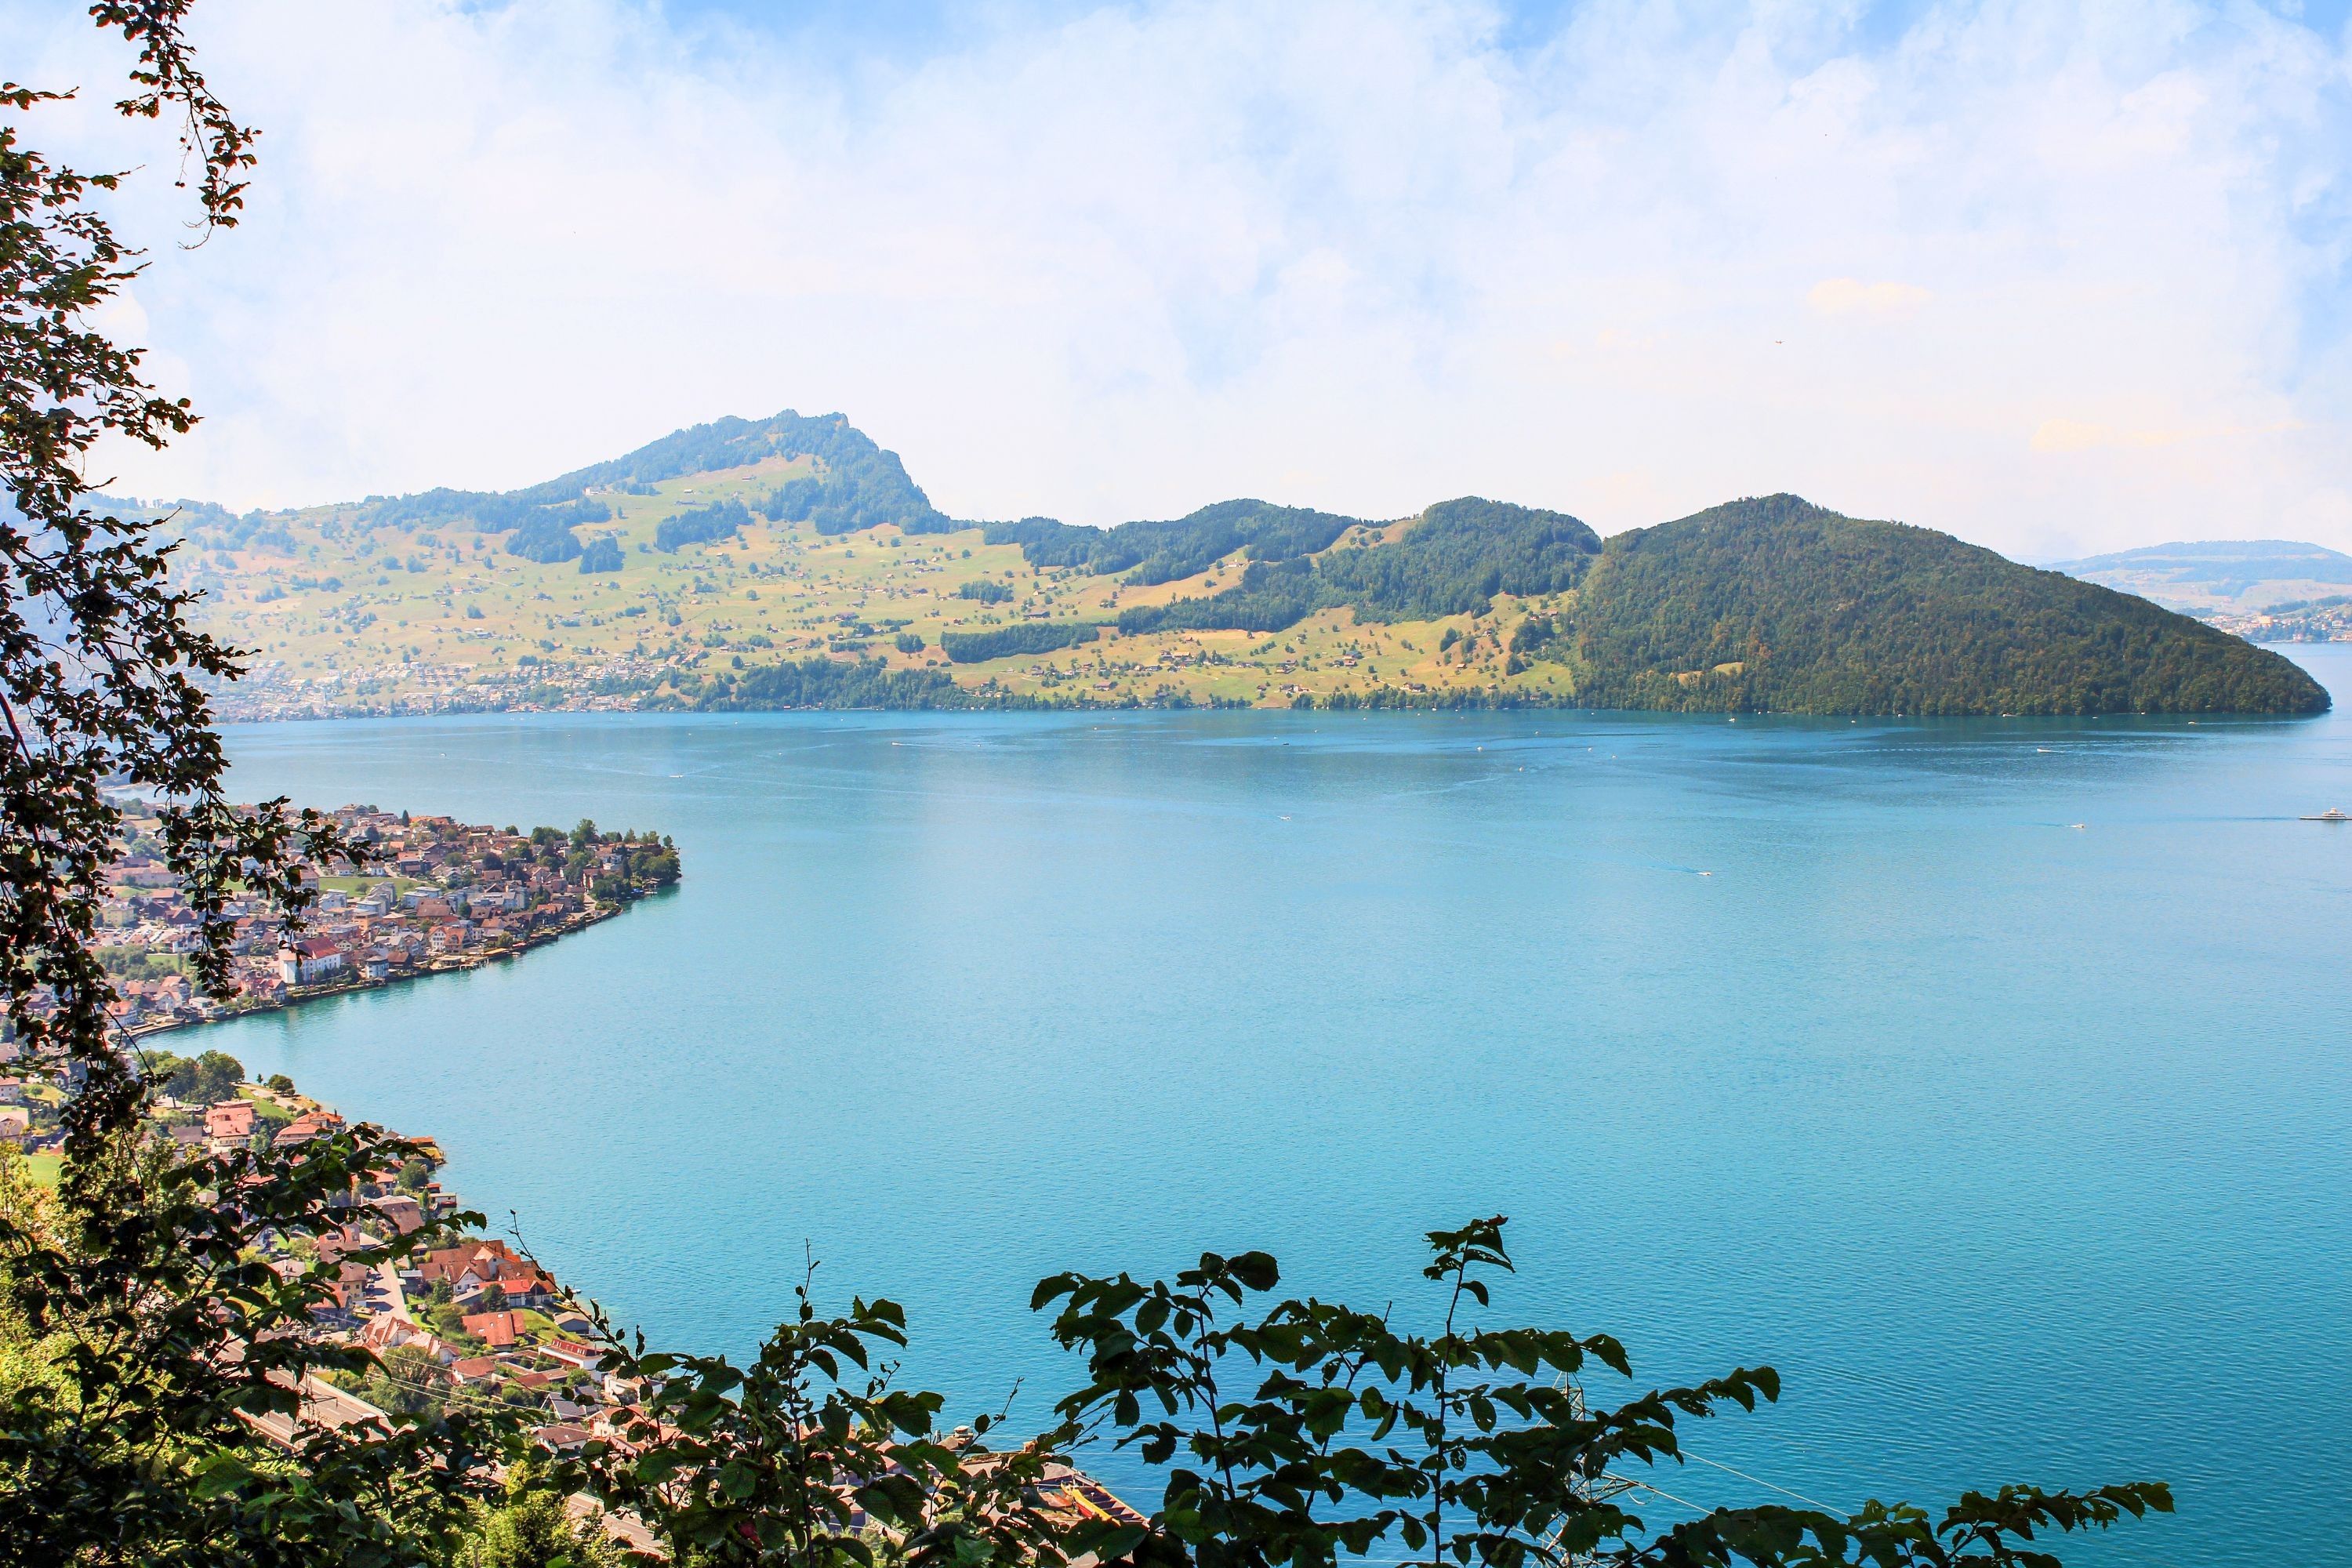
<point>144,1333</point>
<point>1313,1429</point>
<point>1291,1435</point>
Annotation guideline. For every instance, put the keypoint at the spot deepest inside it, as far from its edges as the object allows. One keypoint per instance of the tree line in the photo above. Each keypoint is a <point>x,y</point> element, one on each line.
<point>1450,561</point>
<point>1155,552</point>
<point>1021,637</point>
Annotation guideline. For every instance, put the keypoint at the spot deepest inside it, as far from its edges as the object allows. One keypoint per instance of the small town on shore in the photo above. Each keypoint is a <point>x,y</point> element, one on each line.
<point>434,894</point>
<point>475,1322</point>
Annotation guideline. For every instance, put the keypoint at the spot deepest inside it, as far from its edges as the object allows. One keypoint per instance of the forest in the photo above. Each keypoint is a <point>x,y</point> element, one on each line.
<point>1453,560</point>
<point>1773,603</point>
<point>861,485</point>
<point>830,683</point>
<point>1026,638</point>
<point>1155,552</point>
<point>702,525</point>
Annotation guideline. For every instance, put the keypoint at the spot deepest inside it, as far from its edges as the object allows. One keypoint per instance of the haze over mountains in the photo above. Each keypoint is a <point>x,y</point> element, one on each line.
<point>793,562</point>
<point>2239,576</point>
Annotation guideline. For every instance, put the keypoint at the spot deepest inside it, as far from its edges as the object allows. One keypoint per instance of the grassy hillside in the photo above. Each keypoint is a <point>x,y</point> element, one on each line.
<point>791,562</point>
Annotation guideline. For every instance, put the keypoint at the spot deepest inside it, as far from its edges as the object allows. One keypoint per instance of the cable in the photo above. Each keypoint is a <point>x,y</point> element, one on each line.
<point>1670,1497</point>
<point>1778,1437</point>
<point>1758,1480</point>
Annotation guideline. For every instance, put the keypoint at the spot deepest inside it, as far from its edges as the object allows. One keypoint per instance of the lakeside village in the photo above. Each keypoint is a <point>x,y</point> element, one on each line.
<point>473,1322</point>
<point>476,1322</point>
<point>435,894</point>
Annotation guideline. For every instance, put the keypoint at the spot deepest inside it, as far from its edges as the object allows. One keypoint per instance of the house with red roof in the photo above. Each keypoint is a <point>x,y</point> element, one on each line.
<point>496,1330</point>
<point>230,1121</point>
<point>309,1125</point>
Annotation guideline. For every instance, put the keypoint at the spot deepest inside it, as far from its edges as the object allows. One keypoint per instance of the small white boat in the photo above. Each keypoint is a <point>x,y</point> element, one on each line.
<point>2330,815</point>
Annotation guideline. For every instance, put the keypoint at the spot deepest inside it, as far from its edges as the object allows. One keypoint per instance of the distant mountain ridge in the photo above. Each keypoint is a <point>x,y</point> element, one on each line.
<point>2220,575</point>
<point>800,534</point>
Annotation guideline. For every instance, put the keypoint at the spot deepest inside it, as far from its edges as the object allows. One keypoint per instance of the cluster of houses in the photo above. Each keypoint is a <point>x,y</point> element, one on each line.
<point>270,692</point>
<point>259,1115</point>
<point>26,1118</point>
<point>481,1315</point>
<point>475,1321</point>
<point>434,893</point>
<point>483,1320</point>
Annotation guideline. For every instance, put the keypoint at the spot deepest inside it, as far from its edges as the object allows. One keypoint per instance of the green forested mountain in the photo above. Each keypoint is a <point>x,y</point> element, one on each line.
<point>791,562</point>
<point>1453,560</point>
<point>1775,604</point>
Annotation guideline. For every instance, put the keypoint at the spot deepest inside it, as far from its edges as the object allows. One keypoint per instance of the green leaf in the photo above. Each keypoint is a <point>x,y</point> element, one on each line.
<point>1258,1271</point>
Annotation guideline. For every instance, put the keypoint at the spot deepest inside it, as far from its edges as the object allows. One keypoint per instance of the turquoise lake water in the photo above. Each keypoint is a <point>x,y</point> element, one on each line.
<point>1989,1078</point>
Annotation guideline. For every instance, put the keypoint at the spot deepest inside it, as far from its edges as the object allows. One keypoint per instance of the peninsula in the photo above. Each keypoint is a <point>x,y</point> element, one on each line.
<point>434,894</point>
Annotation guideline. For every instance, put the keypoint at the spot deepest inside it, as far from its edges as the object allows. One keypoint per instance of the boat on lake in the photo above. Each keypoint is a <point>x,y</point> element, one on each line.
<point>2330,815</point>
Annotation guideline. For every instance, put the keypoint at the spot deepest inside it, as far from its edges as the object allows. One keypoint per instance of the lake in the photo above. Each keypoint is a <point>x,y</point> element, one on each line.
<point>1989,1078</point>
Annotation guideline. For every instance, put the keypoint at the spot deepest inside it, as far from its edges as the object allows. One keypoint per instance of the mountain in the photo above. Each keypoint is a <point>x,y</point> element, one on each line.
<point>1779,605</point>
<point>2238,575</point>
<point>853,484</point>
<point>791,562</point>
<point>174,517</point>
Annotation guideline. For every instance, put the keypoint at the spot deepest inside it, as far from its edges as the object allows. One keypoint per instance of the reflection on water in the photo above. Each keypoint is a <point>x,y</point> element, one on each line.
<point>1987,1078</point>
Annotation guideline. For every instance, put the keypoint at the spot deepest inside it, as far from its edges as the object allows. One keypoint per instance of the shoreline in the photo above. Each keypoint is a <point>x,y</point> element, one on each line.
<point>446,964</point>
<point>989,699</point>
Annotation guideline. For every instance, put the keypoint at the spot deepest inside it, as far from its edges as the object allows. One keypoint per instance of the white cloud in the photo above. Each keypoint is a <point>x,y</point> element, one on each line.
<point>1852,297</point>
<point>2084,434</point>
<point>1350,255</point>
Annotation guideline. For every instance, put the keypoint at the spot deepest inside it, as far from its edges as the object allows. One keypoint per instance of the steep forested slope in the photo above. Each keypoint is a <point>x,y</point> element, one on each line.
<point>1450,561</point>
<point>1775,604</point>
<point>1154,553</point>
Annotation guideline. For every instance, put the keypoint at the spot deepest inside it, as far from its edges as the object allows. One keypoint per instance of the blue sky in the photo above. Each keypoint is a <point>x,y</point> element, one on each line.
<point>909,29</point>
<point>2057,276</point>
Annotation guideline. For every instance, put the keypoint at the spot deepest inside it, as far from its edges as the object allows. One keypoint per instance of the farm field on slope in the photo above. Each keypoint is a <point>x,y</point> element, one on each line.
<point>791,562</point>
<point>364,618</point>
